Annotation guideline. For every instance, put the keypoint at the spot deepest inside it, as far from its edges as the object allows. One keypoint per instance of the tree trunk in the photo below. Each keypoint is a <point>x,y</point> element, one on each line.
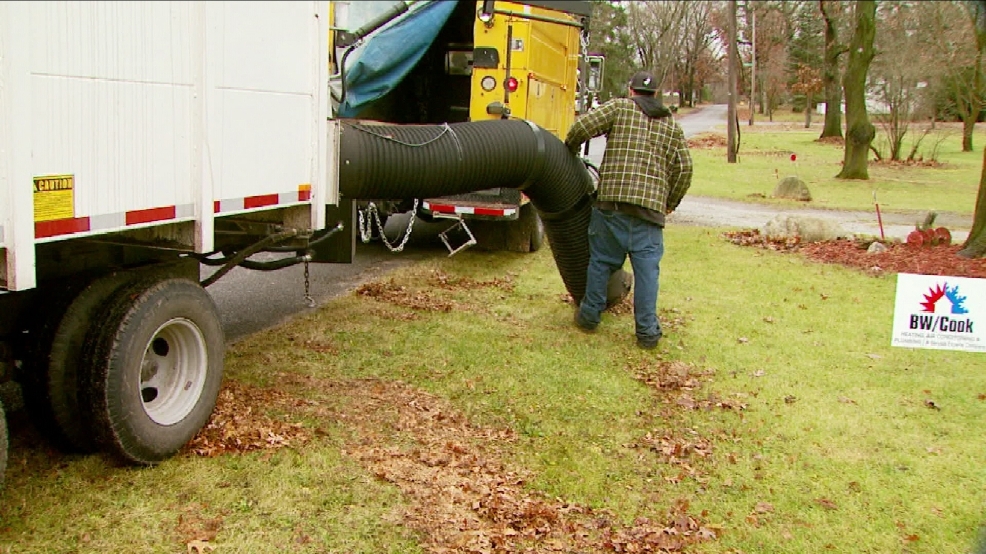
<point>968,126</point>
<point>975,245</point>
<point>809,101</point>
<point>859,132</point>
<point>975,102</point>
<point>830,77</point>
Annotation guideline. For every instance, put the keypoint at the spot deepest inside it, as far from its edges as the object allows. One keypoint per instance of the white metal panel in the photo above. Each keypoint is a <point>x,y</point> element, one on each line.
<point>111,93</point>
<point>159,104</point>
<point>268,93</point>
<point>16,214</point>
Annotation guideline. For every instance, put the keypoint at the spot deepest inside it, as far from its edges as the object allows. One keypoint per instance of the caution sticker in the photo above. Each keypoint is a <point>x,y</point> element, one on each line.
<point>54,197</point>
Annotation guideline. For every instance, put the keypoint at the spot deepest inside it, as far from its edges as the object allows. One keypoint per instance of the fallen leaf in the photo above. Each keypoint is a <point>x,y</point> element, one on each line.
<point>199,547</point>
<point>826,503</point>
<point>982,396</point>
<point>764,507</point>
<point>768,319</point>
<point>845,400</point>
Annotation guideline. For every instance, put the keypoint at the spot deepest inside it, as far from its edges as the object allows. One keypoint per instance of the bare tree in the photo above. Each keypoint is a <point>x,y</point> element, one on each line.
<point>698,35</point>
<point>774,31</point>
<point>958,47</point>
<point>860,132</point>
<point>657,31</point>
<point>898,71</point>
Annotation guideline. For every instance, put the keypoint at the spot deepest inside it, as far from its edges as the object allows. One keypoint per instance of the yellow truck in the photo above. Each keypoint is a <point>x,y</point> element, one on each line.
<point>447,62</point>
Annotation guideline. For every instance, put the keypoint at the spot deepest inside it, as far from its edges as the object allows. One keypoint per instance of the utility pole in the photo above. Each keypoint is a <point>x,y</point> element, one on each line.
<point>731,109</point>
<point>753,64</point>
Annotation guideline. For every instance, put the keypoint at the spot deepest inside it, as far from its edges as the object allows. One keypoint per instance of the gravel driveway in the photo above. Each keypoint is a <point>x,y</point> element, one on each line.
<point>715,212</point>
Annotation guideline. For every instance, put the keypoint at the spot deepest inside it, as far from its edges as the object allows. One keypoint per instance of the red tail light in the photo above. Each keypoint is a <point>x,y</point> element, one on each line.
<point>512,84</point>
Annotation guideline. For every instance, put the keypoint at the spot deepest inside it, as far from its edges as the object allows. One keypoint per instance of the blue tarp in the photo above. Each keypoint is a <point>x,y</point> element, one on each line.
<point>386,57</point>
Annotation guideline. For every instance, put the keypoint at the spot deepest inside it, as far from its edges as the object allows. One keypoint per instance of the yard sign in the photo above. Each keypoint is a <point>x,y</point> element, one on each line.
<point>938,312</point>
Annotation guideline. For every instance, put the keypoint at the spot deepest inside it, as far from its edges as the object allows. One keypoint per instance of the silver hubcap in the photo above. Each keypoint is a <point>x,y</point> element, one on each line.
<point>172,373</point>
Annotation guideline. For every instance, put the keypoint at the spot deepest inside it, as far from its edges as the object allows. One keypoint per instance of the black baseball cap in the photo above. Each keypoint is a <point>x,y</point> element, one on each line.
<point>643,81</point>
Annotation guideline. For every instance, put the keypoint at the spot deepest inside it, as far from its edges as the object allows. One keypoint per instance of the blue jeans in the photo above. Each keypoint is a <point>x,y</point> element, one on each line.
<point>612,237</point>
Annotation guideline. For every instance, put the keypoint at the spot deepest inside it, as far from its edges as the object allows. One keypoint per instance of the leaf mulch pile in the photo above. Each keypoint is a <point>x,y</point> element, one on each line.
<point>241,422</point>
<point>708,140</point>
<point>898,258</point>
<point>425,299</point>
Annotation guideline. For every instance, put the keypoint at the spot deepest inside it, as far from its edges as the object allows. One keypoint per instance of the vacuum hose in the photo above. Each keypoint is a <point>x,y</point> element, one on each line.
<point>426,161</point>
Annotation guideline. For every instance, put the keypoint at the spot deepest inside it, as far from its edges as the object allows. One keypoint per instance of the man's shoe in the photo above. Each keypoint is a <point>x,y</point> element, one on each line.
<point>648,344</point>
<point>582,324</point>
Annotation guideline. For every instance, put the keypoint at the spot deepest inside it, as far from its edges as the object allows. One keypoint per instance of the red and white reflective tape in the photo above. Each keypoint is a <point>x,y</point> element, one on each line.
<point>303,194</point>
<point>110,222</point>
<point>468,210</point>
<point>90,225</point>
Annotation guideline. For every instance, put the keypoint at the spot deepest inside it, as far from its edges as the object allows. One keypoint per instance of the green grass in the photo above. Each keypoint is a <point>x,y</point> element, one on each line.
<point>822,439</point>
<point>821,436</point>
<point>765,156</point>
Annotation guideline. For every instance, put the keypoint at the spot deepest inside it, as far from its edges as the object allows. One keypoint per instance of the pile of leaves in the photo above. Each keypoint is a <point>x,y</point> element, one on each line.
<point>707,140</point>
<point>242,422</point>
<point>425,298</point>
<point>897,258</point>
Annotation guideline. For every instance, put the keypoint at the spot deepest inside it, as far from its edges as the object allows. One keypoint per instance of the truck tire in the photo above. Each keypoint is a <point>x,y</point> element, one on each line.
<point>531,221</point>
<point>3,443</point>
<point>52,387</point>
<point>156,369</point>
<point>524,234</point>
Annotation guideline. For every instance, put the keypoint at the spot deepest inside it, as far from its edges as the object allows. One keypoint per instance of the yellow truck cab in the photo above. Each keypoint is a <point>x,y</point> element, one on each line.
<point>447,62</point>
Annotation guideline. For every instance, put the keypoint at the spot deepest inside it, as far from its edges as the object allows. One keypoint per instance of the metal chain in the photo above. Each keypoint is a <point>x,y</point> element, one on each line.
<point>308,288</point>
<point>372,216</point>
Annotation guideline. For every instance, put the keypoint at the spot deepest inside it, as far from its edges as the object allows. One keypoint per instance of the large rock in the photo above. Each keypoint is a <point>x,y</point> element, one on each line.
<point>809,229</point>
<point>792,188</point>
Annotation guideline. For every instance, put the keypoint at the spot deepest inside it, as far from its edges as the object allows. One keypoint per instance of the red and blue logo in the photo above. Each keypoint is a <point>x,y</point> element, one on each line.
<point>935,302</point>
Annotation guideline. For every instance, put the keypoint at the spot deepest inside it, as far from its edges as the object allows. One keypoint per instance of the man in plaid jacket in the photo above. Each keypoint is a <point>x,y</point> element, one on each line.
<point>646,171</point>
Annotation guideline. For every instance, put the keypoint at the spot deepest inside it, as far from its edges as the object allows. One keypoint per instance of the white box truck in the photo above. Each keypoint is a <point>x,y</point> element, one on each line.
<point>138,139</point>
<point>144,139</point>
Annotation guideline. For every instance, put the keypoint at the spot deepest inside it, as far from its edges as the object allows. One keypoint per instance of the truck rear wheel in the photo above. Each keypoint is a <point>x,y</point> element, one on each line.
<point>3,444</point>
<point>524,234</point>
<point>156,369</point>
<point>52,387</point>
<point>532,222</point>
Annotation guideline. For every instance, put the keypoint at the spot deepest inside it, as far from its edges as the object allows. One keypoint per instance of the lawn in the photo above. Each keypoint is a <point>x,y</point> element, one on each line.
<point>946,181</point>
<point>452,406</point>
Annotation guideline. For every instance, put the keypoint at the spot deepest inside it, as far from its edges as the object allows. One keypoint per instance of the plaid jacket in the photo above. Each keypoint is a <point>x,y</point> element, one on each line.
<point>646,162</point>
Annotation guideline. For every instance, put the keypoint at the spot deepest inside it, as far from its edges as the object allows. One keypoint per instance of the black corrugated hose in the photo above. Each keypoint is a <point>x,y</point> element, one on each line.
<point>427,161</point>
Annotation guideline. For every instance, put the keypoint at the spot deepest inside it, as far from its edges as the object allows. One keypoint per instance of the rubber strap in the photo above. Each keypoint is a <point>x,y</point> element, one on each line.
<point>538,158</point>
